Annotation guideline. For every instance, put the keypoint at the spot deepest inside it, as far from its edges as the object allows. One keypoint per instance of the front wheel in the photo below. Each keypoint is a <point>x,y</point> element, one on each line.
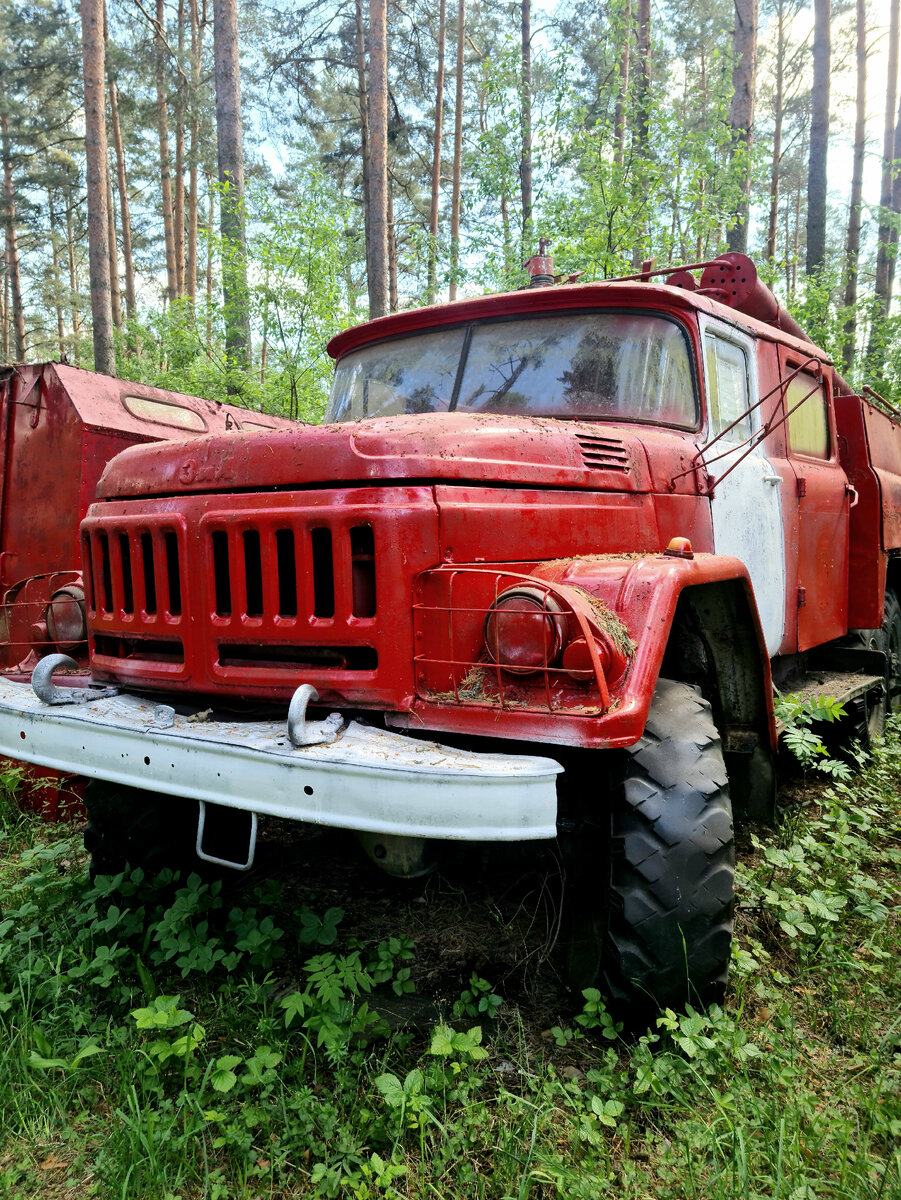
<point>129,828</point>
<point>653,927</point>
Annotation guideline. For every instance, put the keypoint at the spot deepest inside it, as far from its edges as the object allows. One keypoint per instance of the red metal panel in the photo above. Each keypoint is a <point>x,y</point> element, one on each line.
<point>823,534</point>
<point>867,559</point>
<point>883,437</point>
<point>643,593</point>
<point>539,452</point>
<point>368,658</point>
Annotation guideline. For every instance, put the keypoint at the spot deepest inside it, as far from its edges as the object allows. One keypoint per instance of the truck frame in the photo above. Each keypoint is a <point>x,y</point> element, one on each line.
<point>538,573</point>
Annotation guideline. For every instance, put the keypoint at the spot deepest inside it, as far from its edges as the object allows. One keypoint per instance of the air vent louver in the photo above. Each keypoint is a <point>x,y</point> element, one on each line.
<point>603,453</point>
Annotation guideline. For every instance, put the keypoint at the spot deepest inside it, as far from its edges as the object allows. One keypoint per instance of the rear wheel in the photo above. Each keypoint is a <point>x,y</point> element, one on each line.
<point>868,713</point>
<point>653,929</point>
<point>129,828</point>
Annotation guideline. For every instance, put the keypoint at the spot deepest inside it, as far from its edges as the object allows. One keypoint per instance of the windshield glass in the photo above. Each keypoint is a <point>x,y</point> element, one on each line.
<point>631,366</point>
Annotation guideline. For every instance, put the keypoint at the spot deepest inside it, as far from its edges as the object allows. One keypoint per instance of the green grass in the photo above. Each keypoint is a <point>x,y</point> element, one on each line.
<point>181,1041</point>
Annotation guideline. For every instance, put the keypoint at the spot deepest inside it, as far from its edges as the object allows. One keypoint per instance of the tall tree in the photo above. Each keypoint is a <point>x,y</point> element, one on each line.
<point>819,137</point>
<point>378,158</point>
<point>112,242</point>
<point>641,115</point>
<point>778,117</point>
<point>741,112</point>
<point>882,284</point>
<point>93,59</point>
<point>434,206</point>
<point>622,90</point>
<point>57,286</point>
<point>852,241</point>
<point>178,191</point>
<point>124,207</point>
<point>162,118</point>
<point>525,164</point>
<point>230,144</point>
<point>194,150</point>
<point>13,273</point>
<point>456,180</point>
<point>363,106</point>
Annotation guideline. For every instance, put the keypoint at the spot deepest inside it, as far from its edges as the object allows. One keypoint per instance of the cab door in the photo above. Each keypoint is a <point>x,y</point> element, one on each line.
<point>823,504</point>
<point>746,506</point>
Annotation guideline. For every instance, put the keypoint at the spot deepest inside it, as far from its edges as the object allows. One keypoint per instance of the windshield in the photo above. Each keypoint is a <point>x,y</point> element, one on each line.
<point>631,366</point>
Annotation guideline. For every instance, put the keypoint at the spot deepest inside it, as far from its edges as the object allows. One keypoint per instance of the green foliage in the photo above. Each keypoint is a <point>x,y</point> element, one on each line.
<point>477,1000</point>
<point>189,1073</point>
<point>799,716</point>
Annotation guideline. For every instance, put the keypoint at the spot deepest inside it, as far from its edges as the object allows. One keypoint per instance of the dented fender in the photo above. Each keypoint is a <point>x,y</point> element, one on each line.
<point>693,618</point>
<point>645,592</point>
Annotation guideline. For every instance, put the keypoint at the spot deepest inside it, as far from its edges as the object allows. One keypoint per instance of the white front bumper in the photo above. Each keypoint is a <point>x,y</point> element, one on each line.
<point>369,779</point>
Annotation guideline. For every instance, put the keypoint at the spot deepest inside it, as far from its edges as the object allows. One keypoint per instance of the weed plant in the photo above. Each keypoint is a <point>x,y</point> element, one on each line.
<point>161,1041</point>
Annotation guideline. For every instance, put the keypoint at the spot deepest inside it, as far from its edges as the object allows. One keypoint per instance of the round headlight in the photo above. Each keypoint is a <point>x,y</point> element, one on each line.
<point>66,622</point>
<point>525,630</point>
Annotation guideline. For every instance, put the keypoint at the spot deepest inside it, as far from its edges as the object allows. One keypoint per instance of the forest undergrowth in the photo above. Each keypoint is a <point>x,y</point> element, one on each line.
<point>189,1038</point>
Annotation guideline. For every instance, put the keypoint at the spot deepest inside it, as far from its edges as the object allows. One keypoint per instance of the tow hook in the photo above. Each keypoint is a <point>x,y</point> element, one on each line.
<point>47,691</point>
<point>310,733</point>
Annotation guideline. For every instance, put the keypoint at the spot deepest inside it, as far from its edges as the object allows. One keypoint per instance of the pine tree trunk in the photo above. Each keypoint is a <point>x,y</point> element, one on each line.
<point>73,282</point>
<point>458,151</point>
<point>178,198</point>
<point>193,152</point>
<point>741,111</point>
<point>776,163</point>
<point>4,315</point>
<point>525,165</point>
<point>363,102</point>
<point>641,126</point>
<point>57,281</point>
<point>124,209</point>
<point>392,251</point>
<point>209,267</point>
<point>97,162</point>
<point>508,241</point>
<point>819,138</point>
<point>888,147</point>
<point>13,271</point>
<point>115,298</point>
<point>622,90</point>
<point>896,208</point>
<point>432,276</point>
<point>378,158</point>
<point>881,287</point>
<point>229,139</point>
<point>162,119</point>
<point>852,242</point>
<point>641,114</point>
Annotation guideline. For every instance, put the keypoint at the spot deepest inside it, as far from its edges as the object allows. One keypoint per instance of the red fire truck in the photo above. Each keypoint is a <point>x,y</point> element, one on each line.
<point>536,575</point>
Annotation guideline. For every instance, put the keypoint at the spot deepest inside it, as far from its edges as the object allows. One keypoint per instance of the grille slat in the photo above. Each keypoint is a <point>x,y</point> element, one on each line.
<point>148,571</point>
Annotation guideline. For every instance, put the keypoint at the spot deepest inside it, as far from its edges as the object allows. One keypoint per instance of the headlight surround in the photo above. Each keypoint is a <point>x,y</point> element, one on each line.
<point>66,619</point>
<point>525,630</point>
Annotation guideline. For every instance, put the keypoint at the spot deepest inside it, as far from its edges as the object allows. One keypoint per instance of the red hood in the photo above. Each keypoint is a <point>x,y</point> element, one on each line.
<point>522,451</point>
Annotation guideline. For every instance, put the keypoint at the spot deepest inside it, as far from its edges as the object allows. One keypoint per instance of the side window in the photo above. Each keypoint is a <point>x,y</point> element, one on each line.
<point>808,426</point>
<point>727,387</point>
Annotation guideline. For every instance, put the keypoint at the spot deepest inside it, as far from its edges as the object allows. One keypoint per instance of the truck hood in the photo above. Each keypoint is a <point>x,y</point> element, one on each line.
<point>516,451</point>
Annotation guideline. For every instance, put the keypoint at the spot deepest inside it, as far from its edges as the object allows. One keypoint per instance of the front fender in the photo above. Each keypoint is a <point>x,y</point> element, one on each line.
<point>690,618</point>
